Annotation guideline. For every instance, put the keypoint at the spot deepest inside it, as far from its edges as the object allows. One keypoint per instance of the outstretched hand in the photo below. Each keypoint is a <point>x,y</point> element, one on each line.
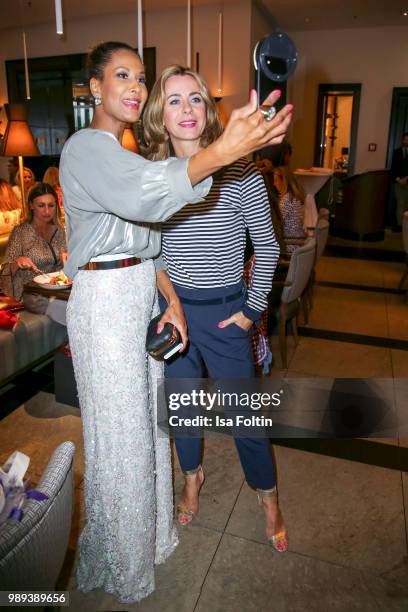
<point>247,130</point>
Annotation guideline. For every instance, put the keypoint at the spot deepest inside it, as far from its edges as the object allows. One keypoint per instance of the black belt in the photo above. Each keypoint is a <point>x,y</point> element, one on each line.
<point>220,300</point>
<point>110,265</point>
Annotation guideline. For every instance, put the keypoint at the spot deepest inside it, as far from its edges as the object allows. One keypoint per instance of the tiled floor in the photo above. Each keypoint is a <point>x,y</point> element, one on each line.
<point>347,518</point>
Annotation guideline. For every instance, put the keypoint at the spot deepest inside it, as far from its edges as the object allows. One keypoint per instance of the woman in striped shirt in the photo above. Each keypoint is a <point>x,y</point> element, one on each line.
<point>203,249</point>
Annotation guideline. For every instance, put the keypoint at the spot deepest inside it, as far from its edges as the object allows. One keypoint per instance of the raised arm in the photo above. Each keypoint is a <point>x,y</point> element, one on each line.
<point>246,131</point>
<point>94,164</point>
<point>97,175</point>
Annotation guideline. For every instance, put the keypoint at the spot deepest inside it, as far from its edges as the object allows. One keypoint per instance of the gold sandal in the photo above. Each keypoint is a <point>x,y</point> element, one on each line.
<point>185,515</point>
<point>279,541</point>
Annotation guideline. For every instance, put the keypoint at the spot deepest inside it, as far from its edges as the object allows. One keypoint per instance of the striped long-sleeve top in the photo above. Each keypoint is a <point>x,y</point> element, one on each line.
<point>203,244</point>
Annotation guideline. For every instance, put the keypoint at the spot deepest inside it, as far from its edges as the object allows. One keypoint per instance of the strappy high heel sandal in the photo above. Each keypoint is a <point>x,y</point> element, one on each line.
<point>186,515</point>
<point>279,541</point>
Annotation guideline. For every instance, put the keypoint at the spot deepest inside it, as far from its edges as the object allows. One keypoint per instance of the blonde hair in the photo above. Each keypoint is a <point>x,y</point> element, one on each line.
<point>290,183</point>
<point>51,176</point>
<point>25,169</point>
<point>8,198</point>
<point>157,141</point>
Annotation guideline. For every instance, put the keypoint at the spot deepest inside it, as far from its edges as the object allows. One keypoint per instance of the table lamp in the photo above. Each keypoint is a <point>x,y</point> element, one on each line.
<point>18,140</point>
<point>129,140</point>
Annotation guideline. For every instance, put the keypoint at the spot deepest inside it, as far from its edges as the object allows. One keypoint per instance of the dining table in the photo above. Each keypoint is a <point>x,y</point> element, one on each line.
<point>60,293</point>
<point>312,180</point>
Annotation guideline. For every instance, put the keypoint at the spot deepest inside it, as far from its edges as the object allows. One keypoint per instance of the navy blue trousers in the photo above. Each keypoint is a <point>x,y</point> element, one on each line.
<point>225,354</point>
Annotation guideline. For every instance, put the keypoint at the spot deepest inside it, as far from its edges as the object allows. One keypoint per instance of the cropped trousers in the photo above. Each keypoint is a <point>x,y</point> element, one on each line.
<point>223,353</point>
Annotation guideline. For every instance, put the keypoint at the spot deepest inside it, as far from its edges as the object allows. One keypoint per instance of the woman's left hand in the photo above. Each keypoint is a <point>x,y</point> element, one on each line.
<point>239,319</point>
<point>174,314</point>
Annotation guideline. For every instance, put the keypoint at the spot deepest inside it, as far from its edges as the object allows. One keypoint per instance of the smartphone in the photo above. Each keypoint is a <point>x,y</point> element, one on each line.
<point>173,350</point>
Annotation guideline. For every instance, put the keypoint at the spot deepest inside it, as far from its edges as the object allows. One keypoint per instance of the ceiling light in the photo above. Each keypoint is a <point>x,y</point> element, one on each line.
<point>405,13</point>
<point>219,72</point>
<point>58,17</point>
<point>140,29</point>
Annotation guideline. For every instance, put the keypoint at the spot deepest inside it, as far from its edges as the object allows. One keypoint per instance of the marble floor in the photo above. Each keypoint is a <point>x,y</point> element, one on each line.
<point>345,502</point>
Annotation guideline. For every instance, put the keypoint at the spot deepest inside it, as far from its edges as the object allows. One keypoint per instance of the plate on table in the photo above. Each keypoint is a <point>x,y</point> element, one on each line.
<point>46,281</point>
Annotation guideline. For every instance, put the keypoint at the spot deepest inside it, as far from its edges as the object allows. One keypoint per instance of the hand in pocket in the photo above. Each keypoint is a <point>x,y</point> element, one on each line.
<point>239,319</point>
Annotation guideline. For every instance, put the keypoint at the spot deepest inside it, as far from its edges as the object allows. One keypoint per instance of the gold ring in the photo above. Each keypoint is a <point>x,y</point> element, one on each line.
<point>268,112</point>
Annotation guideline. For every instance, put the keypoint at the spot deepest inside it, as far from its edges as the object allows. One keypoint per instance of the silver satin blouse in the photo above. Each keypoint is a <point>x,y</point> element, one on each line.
<point>114,200</point>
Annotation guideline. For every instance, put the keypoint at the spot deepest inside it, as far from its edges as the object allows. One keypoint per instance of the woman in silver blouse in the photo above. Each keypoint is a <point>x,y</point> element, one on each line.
<point>113,201</point>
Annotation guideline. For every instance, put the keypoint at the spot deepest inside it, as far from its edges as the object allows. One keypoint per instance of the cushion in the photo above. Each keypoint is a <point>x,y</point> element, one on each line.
<point>33,337</point>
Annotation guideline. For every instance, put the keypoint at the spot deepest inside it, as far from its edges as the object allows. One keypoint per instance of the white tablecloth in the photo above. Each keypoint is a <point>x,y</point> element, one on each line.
<point>311,181</point>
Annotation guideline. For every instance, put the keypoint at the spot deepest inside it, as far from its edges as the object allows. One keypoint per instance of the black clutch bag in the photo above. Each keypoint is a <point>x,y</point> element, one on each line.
<point>164,344</point>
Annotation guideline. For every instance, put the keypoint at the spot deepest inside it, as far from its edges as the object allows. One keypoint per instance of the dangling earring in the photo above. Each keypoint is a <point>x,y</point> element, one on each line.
<point>97,100</point>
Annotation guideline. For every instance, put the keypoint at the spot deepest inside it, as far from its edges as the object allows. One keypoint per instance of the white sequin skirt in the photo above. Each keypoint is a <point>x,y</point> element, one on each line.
<point>127,485</point>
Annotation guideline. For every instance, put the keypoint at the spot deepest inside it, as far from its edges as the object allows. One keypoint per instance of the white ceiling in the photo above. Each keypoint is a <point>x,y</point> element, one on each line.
<point>290,15</point>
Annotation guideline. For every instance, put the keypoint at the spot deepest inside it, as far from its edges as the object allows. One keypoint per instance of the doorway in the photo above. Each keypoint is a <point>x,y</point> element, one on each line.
<point>336,128</point>
<point>398,121</point>
<point>398,125</point>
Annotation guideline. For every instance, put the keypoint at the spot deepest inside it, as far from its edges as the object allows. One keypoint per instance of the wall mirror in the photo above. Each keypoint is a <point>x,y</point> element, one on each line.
<point>336,128</point>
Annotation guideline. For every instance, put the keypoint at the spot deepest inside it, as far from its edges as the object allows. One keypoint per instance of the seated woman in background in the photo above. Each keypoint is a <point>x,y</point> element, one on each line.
<point>266,168</point>
<point>12,168</point>
<point>28,179</point>
<point>8,199</point>
<point>291,208</point>
<point>51,176</point>
<point>273,156</point>
<point>35,246</point>
<point>10,208</point>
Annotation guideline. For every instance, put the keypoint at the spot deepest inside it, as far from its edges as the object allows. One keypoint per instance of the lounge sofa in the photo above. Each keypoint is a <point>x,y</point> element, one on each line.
<point>34,338</point>
<point>361,214</point>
